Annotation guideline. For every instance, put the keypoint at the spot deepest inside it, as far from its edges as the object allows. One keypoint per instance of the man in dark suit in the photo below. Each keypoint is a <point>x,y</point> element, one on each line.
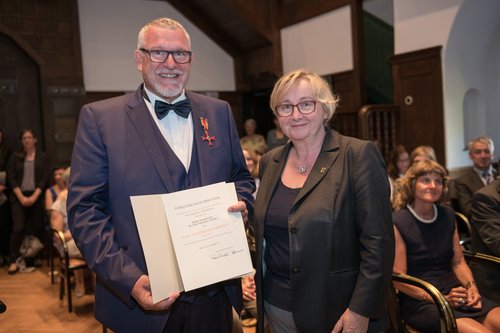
<point>482,172</point>
<point>485,222</point>
<point>136,145</point>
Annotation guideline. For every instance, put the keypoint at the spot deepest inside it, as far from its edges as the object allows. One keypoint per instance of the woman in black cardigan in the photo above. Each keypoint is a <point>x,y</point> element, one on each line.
<point>27,174</point>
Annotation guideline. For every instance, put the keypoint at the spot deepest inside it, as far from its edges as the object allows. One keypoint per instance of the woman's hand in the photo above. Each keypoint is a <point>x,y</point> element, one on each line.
<point>474,298</point>
<point>30,200</point>
<point>457,297</point>
<point>25,201</point>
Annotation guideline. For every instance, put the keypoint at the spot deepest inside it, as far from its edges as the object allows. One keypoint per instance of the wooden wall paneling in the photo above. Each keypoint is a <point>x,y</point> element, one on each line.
<point>358,83</point>
<point>418,90</point>
<point>20,101</point>
<point>345,119</point>
<point>66,105</point>
<point>295,11</point>
<point>48,32</point>
<point>235,99</point>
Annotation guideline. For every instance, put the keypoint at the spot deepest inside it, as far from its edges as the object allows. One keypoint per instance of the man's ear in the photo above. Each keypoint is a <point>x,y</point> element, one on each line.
<point>138,59</point>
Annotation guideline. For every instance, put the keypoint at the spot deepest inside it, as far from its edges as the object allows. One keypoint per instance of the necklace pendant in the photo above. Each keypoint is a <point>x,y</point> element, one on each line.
<point>302,169</point>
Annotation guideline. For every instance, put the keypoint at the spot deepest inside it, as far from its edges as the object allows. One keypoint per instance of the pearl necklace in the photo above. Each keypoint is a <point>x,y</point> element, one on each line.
<point>420,218</point>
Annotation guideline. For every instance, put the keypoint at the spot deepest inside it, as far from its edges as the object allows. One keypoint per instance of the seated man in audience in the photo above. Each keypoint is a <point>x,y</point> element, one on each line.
<point>485,221</point>
<point>482,173</point>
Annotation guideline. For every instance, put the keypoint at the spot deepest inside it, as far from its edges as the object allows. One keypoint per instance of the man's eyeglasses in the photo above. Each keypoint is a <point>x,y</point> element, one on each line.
<point>305,107</point>
<point>160,56</point>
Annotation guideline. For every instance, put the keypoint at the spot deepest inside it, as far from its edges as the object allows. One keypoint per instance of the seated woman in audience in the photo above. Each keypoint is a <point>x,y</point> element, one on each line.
<point>59,221</point>
<point>398,163</point>
<point>275,136</point>
<point>252,160</point>
<point>422,153</point>
<point>252,140</point>
<point>53,191</point>
<point>428,248</point>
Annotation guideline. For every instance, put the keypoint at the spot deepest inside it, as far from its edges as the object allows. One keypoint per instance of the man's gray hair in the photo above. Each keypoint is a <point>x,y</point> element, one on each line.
<point>483,139</point>
<point>164,23</point>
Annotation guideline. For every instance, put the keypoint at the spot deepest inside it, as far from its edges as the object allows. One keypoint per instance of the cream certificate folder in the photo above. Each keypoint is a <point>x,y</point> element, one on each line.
<point>189,238</point>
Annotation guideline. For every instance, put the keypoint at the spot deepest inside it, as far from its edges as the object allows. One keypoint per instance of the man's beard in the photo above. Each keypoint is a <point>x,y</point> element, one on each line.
<point>170,92</point>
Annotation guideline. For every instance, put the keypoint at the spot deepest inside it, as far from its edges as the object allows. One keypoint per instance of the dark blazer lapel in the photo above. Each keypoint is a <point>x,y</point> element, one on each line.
<point>203,151</point>
<point>271,176</point>
<point>326,159</point>
<point>139,117</point>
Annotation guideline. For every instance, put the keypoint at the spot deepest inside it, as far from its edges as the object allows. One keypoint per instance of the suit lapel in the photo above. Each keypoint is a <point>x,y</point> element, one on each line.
<point>272,174</point>
<point>202,151</point>
<point>326,158</point>
<point>145,127</point>
<point>270,178</point>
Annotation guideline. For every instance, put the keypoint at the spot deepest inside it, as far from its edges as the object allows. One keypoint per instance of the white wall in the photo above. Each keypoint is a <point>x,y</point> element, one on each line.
<point>469,32</point>
<point>322,44</point>
<point>108,33</point>
<point>420,24</point>
<point>472,78</point>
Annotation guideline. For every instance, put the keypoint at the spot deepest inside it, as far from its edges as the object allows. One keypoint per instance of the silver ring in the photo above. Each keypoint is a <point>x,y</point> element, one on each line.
<point>461,300</point>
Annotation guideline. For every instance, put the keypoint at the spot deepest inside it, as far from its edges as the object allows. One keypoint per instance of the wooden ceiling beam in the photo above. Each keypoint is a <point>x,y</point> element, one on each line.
<point>211,28</point>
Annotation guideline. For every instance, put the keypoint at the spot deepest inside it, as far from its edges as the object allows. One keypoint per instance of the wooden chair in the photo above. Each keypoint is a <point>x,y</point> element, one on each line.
<point>446,317</point>
<point>66,268</point>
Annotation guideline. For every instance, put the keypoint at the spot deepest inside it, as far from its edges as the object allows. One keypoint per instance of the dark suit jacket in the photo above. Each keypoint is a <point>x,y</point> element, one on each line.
<point>485,223</point>
<point>116,155</point>
<point>341,240</point>
<point>466,186</point>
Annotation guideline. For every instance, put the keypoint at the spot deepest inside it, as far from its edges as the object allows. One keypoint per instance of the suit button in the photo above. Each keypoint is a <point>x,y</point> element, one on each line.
<point>293,230</point>
<point>295,270</point>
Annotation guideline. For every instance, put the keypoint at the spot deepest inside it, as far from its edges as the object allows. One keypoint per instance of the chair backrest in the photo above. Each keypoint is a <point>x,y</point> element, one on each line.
<point>60,244</point>
<point>464,230</point>
<point>446,316</point>
<point>66,267</point>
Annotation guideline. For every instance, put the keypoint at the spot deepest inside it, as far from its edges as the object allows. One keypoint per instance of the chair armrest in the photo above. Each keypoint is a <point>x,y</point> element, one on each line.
<point>446,316</point>
<point>482,258</point>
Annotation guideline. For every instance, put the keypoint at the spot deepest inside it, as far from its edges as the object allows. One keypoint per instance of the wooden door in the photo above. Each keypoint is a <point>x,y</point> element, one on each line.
<point>418,90</point>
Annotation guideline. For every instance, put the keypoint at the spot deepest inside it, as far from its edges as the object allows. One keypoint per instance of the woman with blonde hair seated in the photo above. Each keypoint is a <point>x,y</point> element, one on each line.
<point>59,221</point>
<point>427,247</point>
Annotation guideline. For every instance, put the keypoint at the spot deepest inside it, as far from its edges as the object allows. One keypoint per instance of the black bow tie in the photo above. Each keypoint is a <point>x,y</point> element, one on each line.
<point>182,108</point>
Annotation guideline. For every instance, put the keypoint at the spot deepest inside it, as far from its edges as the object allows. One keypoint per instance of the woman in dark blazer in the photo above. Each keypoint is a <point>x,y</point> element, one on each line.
<point>27,172</point>
<point>325,244</point>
